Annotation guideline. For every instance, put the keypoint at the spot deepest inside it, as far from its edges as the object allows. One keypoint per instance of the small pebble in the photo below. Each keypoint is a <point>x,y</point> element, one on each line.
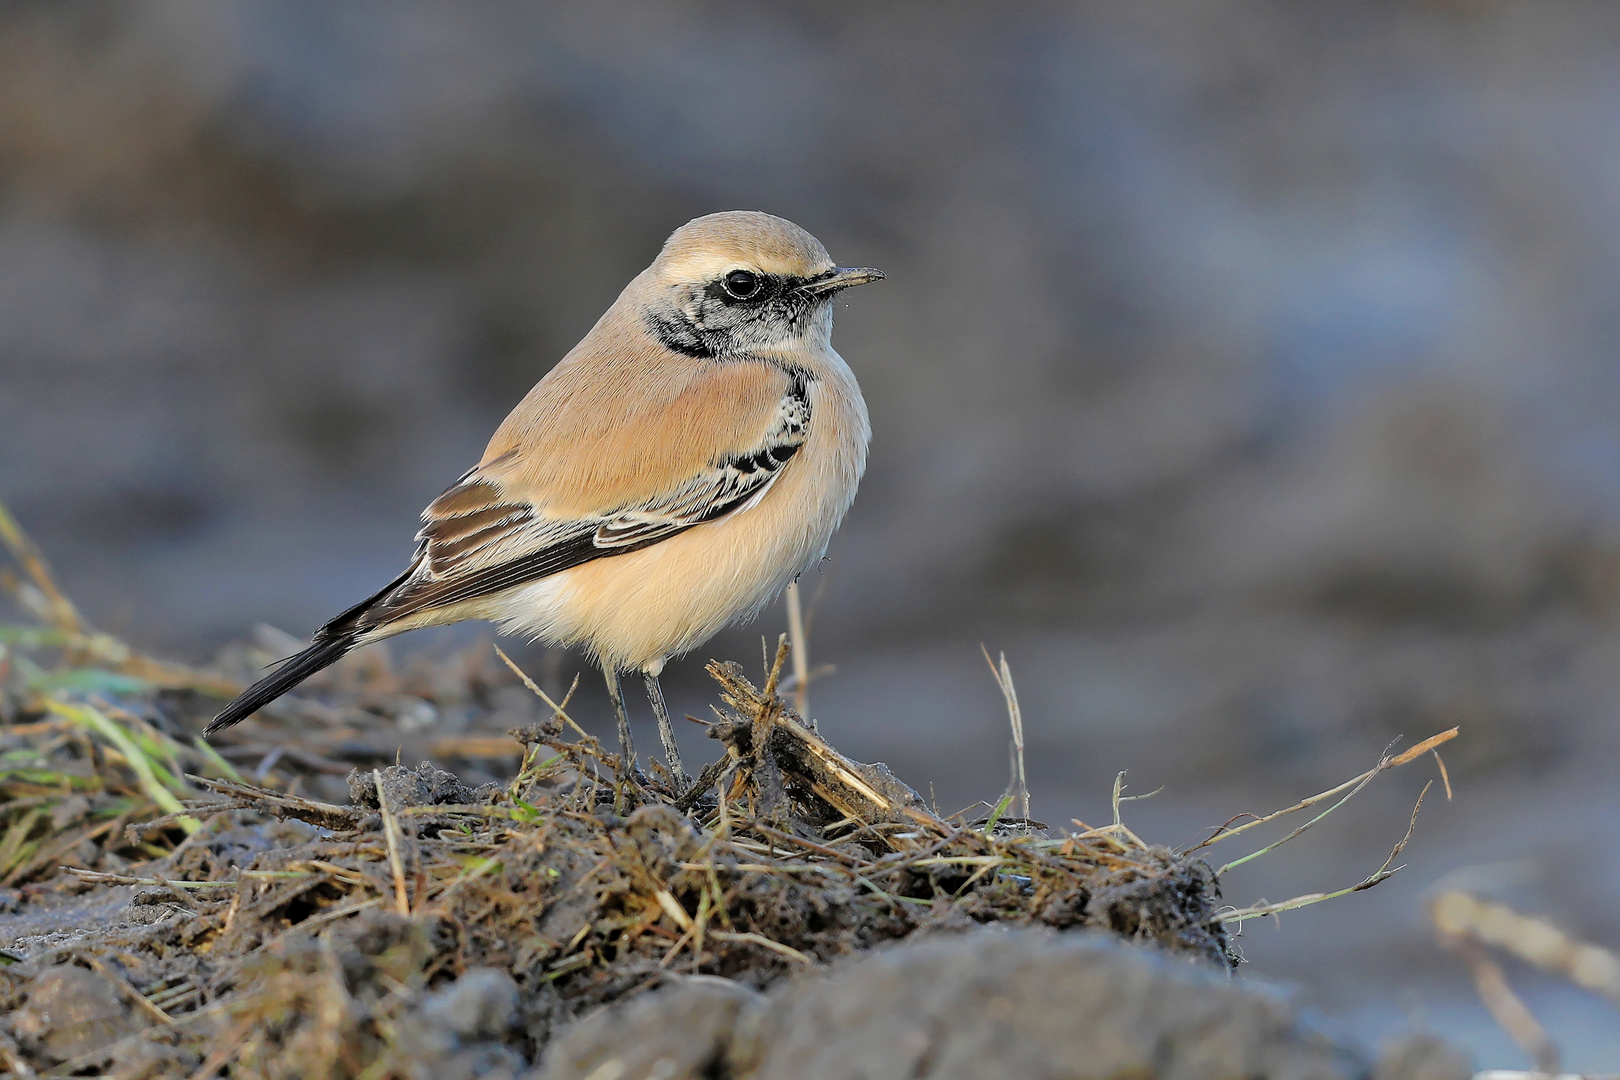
<point>72,1011</point>
<point>483,1003</point>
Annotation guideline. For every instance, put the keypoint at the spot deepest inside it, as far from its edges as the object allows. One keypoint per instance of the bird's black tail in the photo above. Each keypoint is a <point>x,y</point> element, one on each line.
<point>327,649</point>
<point>331,642</point>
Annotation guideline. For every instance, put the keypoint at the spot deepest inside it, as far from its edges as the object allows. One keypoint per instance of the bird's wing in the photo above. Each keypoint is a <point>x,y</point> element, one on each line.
<point>480,537</point>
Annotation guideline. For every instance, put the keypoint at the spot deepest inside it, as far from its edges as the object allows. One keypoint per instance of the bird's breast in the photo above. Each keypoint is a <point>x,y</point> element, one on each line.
<point>834,455</point>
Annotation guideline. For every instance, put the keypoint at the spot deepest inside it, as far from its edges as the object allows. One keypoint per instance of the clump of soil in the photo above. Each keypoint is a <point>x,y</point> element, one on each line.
<point>988,1003</point>
<point>287,936</point>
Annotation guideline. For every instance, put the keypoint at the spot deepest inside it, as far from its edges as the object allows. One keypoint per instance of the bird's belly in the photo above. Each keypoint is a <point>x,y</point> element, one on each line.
<point>636,609</point>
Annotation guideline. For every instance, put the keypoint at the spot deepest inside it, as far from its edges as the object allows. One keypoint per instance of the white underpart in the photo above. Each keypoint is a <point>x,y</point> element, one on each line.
<point>536,610</point>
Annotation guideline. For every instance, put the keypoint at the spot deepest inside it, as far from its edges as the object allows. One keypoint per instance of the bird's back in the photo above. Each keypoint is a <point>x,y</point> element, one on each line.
<point>621,419</point>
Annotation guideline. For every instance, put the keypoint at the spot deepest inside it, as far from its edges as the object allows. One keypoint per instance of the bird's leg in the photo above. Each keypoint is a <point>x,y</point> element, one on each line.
<point>666,732</point>
<point>627,750</point>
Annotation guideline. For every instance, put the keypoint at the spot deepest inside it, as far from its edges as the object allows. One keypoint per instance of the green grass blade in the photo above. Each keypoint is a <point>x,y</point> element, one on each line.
<point>213,757</point>
<point>146,770</point>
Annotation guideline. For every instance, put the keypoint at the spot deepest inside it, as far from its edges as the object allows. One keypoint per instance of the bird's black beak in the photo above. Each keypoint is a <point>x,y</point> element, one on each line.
<point>842,277</point>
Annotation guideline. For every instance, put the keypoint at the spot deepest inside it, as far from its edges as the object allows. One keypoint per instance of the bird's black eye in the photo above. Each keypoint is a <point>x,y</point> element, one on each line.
<point>742,284</point>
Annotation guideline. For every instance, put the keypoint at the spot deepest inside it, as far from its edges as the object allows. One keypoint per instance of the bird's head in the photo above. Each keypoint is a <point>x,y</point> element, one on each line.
<point>741,282</point>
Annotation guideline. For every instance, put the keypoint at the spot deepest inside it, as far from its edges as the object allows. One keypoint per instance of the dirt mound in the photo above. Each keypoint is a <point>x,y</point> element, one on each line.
<point>285,936</point>
<point>169,916</point>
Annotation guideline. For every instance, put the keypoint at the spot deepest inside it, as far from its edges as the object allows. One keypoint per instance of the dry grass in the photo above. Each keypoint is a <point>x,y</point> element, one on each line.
<point>1472,927</point>
<point>580,904</point>
<point>80,767</point>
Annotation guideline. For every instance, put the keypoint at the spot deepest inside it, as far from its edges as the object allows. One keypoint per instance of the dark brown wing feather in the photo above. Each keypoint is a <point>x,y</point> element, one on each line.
<point>477,540</point>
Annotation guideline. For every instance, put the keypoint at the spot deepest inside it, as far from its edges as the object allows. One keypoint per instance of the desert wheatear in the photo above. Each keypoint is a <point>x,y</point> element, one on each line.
<point>689,458</point>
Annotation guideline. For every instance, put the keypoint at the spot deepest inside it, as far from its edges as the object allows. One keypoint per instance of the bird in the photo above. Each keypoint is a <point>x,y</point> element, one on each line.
<point>670,476</point>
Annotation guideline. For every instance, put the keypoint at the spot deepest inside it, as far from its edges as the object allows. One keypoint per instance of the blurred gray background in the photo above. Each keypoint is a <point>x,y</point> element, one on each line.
<point>1245,371</point>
